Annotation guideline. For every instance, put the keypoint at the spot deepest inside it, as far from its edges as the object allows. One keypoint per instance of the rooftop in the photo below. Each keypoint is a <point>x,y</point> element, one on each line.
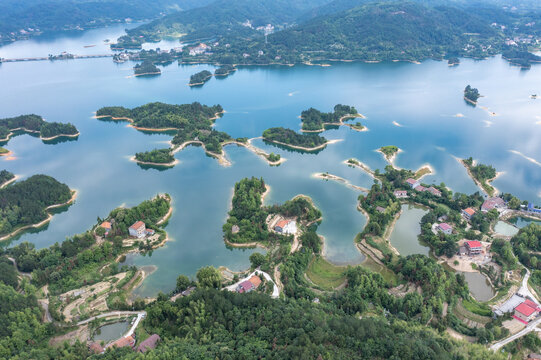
<point>255,280</point>
<point>106,225</point>
<point>469,211</point>
<point>282,223</point>
<point>137,225</point>
<point>445,226</point>
<point>473,244</point>
<point>525,310</point>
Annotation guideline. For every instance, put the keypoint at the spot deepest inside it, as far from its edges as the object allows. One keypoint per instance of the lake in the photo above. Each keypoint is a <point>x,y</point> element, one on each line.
<point>418,108</point>
<point>404,237</point>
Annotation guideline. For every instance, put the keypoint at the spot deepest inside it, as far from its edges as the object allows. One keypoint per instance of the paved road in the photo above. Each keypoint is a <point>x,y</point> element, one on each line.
<point>525,291</point>
<point>529,328</point>
<point>113,313</point>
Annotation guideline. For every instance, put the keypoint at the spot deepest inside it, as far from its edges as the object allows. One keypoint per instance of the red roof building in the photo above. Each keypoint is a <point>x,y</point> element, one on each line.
<point>474,247</point>
<point>468,213</point>
<point>149,344</point>
<point>525,313</point>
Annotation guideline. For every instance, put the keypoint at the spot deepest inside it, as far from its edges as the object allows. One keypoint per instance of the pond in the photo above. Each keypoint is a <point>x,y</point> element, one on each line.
<point>406,231</point>
<point>111,332</point>
<point>479,286</point>
<point>504,228</point>
<point>521,222</point>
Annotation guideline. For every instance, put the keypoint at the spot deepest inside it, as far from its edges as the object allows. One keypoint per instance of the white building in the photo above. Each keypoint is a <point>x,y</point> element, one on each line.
<point>138,230</point>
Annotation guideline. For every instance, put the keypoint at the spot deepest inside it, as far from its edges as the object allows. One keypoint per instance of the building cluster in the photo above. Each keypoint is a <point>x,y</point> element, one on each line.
<point>493,203</point>
<point>416,185</point>
<point>249,285</point>
<point>149,343</point>
<point>199,49</point>
<point>526,311</point>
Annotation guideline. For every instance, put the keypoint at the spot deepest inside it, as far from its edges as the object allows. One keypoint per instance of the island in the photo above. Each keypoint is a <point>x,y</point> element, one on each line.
<point>6,178</point>
<point>453,61</point>
<point>520,57</point>
<point>200,78</point>
<point>293,140</point>
<point>389,152</point>
<point>471,95</point>
<point>4,152</point>
<point>34,124</point>
<point>315,121</point>
<point>146,68</point>
<point>25,204</point>
<point>251,224</point>
<point>225,70</point>
<point>481,174</point>
<point>156,157</point>
<point>126,42</point>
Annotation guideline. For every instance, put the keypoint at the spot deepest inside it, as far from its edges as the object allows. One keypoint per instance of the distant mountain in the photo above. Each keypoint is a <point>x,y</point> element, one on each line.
<point>24,18</point>
<point>226,17</point>
<point>375,31</point>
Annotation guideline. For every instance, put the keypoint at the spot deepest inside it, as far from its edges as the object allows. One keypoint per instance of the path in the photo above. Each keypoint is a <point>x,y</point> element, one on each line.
<point>529,328</point>
<point>112,313</point>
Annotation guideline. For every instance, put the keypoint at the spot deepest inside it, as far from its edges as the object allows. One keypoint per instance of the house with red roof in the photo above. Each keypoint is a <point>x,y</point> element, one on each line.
<point>445,228</point>
<point>420,188</point>
<point>468,213</point>
<point>434,191</point>
<point>493,203</point>
<point>286,227</point>
<point>138,229</point>
<point>249,285</point>
<point>125,341</point>
<point>107,226</point>
<point>474,247</point>
<point>413,183</point>
<point>149,343</point>
<point>526,311</point>
<point>400,194</point>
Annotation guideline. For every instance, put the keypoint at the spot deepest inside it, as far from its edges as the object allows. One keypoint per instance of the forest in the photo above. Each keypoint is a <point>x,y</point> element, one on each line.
<point>290,137</point>
<point>200,78</point>
<point>471,94</point>
<point>313,119</point>
<point>25,202</point>
<point>157,156</point>
<point>35,123</point>
<point>389,151</point>
<point>224,70</point>
<point>146,68</point>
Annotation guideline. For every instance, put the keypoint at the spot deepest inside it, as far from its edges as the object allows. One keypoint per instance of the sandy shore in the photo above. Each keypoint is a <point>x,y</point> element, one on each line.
<point>7,155</point>
<point>392,158</point>
<point>10,181</point>
<point>60,136</point>
<point>166,216</point>
<point>477,182</point>
<point>429,171</point>
<point>264,155</point>
<point>322,146</point>
<point>340,123</point>
<point>326,176</point>
<point>171,164</point>
<point>41,223</point>
<point>361,166</point>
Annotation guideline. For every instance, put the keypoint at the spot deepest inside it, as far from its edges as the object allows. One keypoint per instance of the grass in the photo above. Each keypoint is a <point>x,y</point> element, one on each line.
<point>422,172</point>
<point>387,274</point>
<point>477,308</point>
<point>3,151</point>
<point>460,310</point>
<point>324,274</point>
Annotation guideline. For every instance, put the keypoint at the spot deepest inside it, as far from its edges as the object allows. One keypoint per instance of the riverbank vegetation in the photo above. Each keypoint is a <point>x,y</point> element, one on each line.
<point>313,119</point>
<point>482,174</point>
<point>225,70</point>
<point>6,176</point>
<point>35,124</point>
<point>26,202</point>
<point>289,137</point>
<point>389,151</point>
<point>200,78</point>
<point>156,156</point>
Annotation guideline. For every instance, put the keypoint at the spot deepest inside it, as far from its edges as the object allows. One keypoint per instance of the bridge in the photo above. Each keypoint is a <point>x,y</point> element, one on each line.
<point>47,58</point>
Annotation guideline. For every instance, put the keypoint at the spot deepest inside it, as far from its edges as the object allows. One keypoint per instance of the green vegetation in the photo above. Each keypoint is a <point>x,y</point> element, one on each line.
<point>289,137</point>
<point>527,246</point>
<point>324,274</point>
<point>5,176</point>
<point>25,202</point>
<point>146,68</point>
<point>477,308</point>
<point>3,151</point>
<point>471,94</point>
<point>157,156</point>
<point>248,216</point>
<point>273,157</point>
<point>200,78</point>
<point>34,124</point>
<point>482,173</point>
<point>389,151</point>
<point>224,70</point>
<point>313,119</point>
<point>380,196</point>
<point>519,57</point>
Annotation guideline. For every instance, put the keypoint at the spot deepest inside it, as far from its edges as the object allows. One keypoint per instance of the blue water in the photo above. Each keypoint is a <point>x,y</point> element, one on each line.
<point>422,98</point>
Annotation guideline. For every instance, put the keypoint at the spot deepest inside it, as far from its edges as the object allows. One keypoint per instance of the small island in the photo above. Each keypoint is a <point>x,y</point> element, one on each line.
<point>6,178</point>
<point>157,157</point>
<point>481,174</point>
<point>453,61</point>
<point>34,124</point>
<point>315,121</point>
<point>291,139</point>
<point>4,152</point>
<point>225,70</point>
<point>26,203</point>
<point>146,68</point>
<point>471,95</point>
<point>127,42</point>
<point>389,152</point>
<point>200,78</point>
<point>251,224</point>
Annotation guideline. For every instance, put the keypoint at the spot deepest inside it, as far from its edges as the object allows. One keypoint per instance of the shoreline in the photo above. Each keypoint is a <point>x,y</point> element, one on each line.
<point>28,131</point>
<point>319,147</point>
<point>15,178</point>
<point>327,176</point>
<point>361,166</point>
<point>171,164</point>
<point>477,182</point>
<point>61,136</point>
<point>391,159</point>
<point>43,222</point>
<point>428,167</point>
<point>339,123</point>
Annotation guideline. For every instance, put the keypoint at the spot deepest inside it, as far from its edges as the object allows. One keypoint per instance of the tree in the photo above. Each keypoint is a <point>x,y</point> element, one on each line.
<point>183,283</point>
<point>209,277</point>
<point>257,259</point>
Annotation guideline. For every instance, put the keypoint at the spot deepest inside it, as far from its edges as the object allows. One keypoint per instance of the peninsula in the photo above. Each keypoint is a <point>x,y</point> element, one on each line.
<point>26,203</point>
<point>315,121</point>
<point>156,157</point>
<point>225,70</point>
<point>293,140</point>
<point>34,124</point>
<point>481,174</point>
<point>6,178</point>
<point>200,78</point>
<point>389,152</point>
<point>146,68</point>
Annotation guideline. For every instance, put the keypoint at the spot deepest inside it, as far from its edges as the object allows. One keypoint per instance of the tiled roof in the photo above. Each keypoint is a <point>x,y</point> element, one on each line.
<point>473,244</point>
<point>137,225</point>
<point>525,309</point>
